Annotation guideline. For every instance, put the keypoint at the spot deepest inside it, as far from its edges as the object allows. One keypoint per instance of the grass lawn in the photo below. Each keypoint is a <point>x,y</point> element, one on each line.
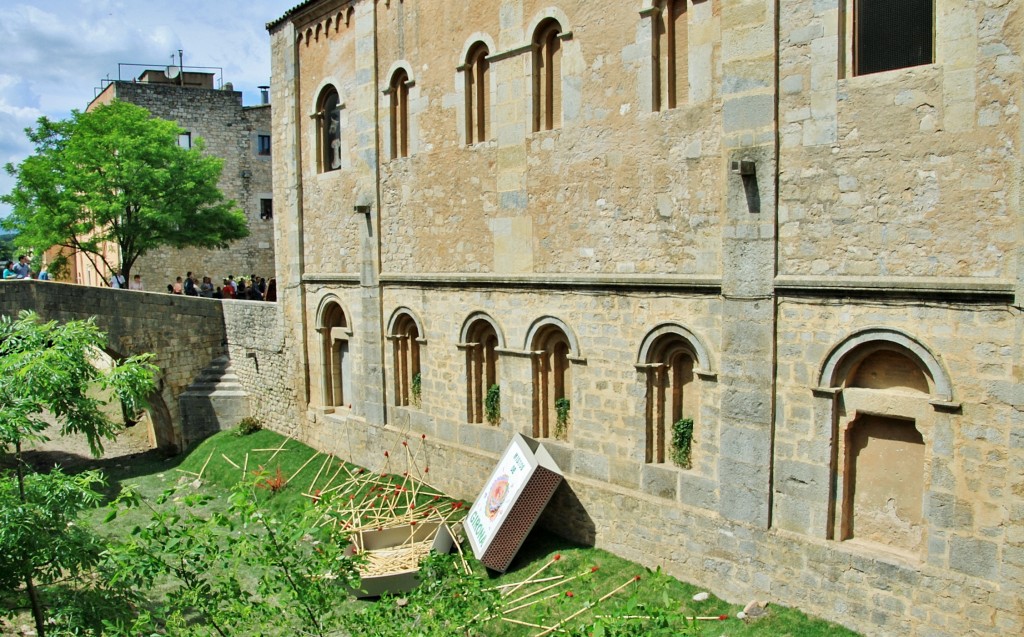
<point>588,576</point>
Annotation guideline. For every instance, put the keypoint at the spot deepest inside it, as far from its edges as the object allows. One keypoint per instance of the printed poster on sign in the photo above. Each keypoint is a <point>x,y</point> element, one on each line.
<point>491,507</point>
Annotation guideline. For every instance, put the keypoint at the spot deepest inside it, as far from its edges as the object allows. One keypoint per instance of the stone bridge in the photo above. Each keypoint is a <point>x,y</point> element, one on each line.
<point>185,333</point>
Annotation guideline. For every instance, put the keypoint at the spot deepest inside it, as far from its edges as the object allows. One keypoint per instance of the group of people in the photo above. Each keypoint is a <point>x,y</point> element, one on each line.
<point>255,289</point>
<point>23,270</point>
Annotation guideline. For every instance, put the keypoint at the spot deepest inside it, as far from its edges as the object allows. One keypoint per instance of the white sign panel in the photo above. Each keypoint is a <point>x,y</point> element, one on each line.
<point>499,495</point>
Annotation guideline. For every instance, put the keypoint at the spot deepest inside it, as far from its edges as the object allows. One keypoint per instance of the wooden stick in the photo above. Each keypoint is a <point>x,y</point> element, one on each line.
<point>534,574</point>
<point>588,607</point>
<point>522,623</point>
<point>524,605</point>
<point>203,470</point>
<point>549,586</point>
<point>536,581</point>
<point>245,467</point>
<point>299,470</point>
<point>327,459</point>
<point>229,461</point>
<point>280,449</point>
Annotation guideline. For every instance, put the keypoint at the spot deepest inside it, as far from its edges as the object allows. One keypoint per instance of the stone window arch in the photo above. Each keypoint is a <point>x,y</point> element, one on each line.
<point>669,54</point>
<point>406,335</point>
<point>328,117</point>
<point>552,346</point>
<point>478,94</point>
<point>547,75</point>
<point>481,339</point>
<point>398,96</point>
<point>883,388</point>
<point>335,359</point>
<point>672,358</point>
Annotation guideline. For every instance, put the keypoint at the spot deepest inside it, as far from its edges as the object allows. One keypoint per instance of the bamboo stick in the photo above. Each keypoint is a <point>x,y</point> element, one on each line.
<point>534,574</point>
<point>229,461</point>
<point>299,470</point>
<point>203,470</point>
<point>588,607</point>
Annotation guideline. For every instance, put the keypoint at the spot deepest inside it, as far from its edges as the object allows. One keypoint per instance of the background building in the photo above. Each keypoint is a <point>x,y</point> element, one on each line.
<point>794,224</point>
<point>240,135</point>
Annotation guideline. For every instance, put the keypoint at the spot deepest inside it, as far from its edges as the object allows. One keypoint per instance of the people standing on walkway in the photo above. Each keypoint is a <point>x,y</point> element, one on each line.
<point>136,283</point>
<point>117,280</point>
<point>190,285</point>
<point>9,272</point>
<point>43,274</point>
<point>176,287</point>
<point>228,290</point>
<point>206,289</point>
<point>22,269</point>
<point>271,294</point>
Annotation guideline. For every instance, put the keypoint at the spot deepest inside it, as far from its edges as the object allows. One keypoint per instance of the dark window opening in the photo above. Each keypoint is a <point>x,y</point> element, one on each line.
<point>263,145</point>
<point>892,34</point>
<point>266,208</point>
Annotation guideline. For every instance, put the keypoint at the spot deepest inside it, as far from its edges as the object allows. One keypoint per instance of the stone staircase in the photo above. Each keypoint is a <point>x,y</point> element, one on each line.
<point>215,401</point>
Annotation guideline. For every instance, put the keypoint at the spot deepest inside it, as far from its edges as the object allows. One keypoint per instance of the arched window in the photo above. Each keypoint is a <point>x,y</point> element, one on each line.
<point>405,339</point>
<point>671,394</point>
<point>477,94</point>
<point>552,383</point>
<point>334,334</point>
<point>547,75</point>
<point>399,95</point>
<point>481,367</point>
<point>669,55</point>
<point>329,130</point>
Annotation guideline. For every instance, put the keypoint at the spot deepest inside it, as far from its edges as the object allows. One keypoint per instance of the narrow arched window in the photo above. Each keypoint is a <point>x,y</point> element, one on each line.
<point>547,75</point>
<point>334,356</point>
<point>477,94</point>
<point>552,386</point>
<point>405,338</point>
<point>399,95</point>
<point>671,397</point>
<point>481,368</point>
<point>329,133</point>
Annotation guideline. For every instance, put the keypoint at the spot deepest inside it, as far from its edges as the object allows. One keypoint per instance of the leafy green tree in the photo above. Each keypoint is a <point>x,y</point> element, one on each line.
<point>47,372</point>
<point>115,175</point>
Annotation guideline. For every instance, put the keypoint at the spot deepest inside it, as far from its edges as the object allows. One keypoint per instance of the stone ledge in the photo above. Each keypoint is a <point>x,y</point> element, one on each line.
<point>707,284</point>
<point>944,286</point>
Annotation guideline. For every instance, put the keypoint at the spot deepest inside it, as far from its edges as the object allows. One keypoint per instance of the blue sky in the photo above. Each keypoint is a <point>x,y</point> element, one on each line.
<point>54,53</point>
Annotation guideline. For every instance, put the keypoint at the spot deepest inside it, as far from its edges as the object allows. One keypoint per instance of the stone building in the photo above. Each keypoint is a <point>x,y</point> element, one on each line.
<point>796,225</point>
<point>240,135</point>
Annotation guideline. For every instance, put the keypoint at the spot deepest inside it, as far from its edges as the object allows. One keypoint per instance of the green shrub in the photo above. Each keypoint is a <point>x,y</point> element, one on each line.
<point>682,440</point>
<point>248,425</point>
<point>492,404</point>
<point>561,418</point>
<point>417,388</point>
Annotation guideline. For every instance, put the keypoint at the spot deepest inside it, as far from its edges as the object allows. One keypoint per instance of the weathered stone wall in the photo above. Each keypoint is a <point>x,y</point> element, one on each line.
<point>258,348</point>
<point>185,334</point>
<point>230,132</point>
<point>878,214</point>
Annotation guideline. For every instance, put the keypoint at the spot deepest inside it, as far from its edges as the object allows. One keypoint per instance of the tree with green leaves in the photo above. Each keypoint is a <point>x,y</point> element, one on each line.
<point>117,176</point>
<point>47,373</point>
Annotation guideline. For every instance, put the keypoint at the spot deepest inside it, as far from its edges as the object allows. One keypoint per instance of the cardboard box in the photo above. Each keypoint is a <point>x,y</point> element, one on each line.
<point>392,541</point>
<point>519,488</point>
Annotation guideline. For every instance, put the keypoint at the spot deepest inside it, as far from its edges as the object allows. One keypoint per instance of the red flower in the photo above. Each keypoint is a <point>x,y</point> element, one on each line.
<point>423,436</point>
<point>723,617</point>
<point>636,578</point>
<point>593,569</point>
<point>568,593</point>
<point>405,443</point>
<point>386,454</point>
<point>557,557</point>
